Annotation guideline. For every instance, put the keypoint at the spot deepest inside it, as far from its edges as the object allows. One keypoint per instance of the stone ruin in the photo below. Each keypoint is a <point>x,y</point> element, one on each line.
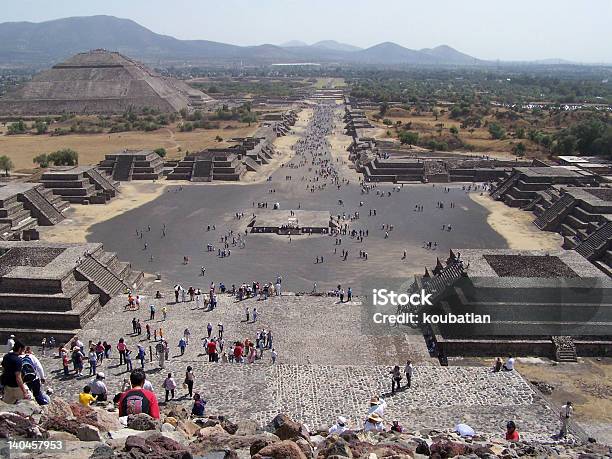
<point>49,289</point>
<point>567,200</point>
<point>24,206</point>
<point>129,165</point>
<point>103,83</point>
<point>551,304</point>
<point>80,184</point>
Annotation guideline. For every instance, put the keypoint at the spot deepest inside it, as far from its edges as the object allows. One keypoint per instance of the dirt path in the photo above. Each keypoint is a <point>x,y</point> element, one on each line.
<point>516,226</point>
<point>80,218</point>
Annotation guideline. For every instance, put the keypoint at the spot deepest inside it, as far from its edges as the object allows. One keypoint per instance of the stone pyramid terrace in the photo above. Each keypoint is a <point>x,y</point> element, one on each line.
<point>100,82</point>
<point>81,184</point>
<point>49,289</point>
<point>132,165</point>
<point>552,304</point>
<point>23,206</point>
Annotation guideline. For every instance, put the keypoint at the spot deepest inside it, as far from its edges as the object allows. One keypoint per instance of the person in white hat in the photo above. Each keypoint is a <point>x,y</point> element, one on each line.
<point>339,427</point>
<point>377,405</point>
<point>373,423</point>
<point>98,387</point>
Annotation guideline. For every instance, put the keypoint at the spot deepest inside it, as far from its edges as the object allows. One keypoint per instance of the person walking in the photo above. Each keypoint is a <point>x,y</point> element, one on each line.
<point>408,370</point>
<point>396,378</point>
<point>565,415</point>
<point>209,328</point>
<point>169,385</point>
<point>15,388</point>
<point>182,344</point>
<point>121,347</point>
<point>189,380</point>
<point>152,312</point>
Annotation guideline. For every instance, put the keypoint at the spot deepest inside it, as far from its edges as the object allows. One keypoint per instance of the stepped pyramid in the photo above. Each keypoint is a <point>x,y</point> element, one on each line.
<point>100,82</point>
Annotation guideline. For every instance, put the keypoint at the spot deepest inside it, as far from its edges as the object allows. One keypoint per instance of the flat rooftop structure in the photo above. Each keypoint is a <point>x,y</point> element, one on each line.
<point>529,296</point>
<point>552,172</point>
<point>41,260</point>
<point>296,222</point>
<point>11,189</point>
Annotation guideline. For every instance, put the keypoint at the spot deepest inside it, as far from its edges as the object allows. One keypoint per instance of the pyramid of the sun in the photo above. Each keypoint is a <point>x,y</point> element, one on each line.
<point>100,82</point>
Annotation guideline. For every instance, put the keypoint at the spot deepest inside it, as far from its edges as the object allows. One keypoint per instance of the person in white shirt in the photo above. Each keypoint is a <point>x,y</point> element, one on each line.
<point>565,413</point>
<point>408,370</point>
<point>10,343</point>
<point>373,423</point>
<point>377,405</point>
<point>339,427</point>
<point>509,365</point>
<point>98,387</point>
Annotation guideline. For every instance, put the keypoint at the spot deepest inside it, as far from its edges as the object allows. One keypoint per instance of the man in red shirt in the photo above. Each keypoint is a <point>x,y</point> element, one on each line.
<point>238,353</point>
<point>138,400</point>
<point>212,350</point>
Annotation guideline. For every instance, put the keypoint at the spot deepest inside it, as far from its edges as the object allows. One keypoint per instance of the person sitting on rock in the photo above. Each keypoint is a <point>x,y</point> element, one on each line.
<point>511,432</point>
<point>373,423</point>
<point>199,405</point>
<point>396,427</point>
<point>339,427</point>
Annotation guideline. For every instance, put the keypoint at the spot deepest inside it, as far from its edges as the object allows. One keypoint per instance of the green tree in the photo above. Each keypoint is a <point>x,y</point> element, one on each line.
<point>65,157</point>
<point>383,109</point>
<point>6,164</point>
<point>520,133</point>
<point>453,130</point>
<point>248,117</point>
<point>160,151</point>
<point>42,160</point>
<point>519,149</point>
<point>41,127</point>
<point>408,138</point>
<point>436,113</point>
<point>497,131</point>
<point>18,127</point>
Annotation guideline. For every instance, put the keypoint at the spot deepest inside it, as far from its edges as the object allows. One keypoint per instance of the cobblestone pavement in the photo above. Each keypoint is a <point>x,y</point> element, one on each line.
<point>315,339</point>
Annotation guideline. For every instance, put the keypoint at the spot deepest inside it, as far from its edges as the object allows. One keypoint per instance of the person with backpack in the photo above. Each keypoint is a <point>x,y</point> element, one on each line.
<point>137,399</point>
<point>15,388</point>
<point>33,375</point>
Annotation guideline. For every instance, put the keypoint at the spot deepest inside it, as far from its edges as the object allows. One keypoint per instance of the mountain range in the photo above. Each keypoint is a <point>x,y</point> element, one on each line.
<point>27,43</point>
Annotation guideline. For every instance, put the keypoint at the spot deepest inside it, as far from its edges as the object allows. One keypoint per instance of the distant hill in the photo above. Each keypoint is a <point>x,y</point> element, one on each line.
<point>335,46</point>
<point>294,44</point>
<point>41,44</point>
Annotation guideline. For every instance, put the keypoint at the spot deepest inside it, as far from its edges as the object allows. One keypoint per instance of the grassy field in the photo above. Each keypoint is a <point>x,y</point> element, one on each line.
<point>329,83</point>
<point>92,147</point>
<point>479,138</point>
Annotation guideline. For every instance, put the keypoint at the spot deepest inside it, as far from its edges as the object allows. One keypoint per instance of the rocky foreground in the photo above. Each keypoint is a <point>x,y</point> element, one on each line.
<point>99,433</point>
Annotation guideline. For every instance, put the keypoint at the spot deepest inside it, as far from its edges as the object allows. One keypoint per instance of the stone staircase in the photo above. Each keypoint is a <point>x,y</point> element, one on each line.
<point>122,170</point>
<point>565,349</point>
<point>202,171</point>
<point>41,208</point>
<point>597,242</point>
<point>551,217</point>
<point>110,188</point>
<point>101,276</point>
<point>505,186</point>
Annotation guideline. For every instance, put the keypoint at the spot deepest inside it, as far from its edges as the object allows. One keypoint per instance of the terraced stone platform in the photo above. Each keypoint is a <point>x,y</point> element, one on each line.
<point>51,289</point>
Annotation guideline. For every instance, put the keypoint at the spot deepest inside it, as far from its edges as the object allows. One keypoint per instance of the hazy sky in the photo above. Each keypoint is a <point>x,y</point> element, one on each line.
<point>579,30</point>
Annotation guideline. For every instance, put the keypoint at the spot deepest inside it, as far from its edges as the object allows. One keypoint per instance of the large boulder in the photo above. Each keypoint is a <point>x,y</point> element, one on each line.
<point>216,438</point>
<point>285,449</point>
<point>447,448</point>
<point>334,446</point>
<point>61,424</point>
<point>154,446</point>
<point>189,427</point>
<point>260,444</point>
<point>88,433</point>
<point>287,429</point>
<point>142,421</point>
<point>15,425</point>
<point>58,407</point>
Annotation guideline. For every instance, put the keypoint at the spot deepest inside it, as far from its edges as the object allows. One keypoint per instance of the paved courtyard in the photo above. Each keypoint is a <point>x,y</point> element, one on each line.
<point>326,367</point>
